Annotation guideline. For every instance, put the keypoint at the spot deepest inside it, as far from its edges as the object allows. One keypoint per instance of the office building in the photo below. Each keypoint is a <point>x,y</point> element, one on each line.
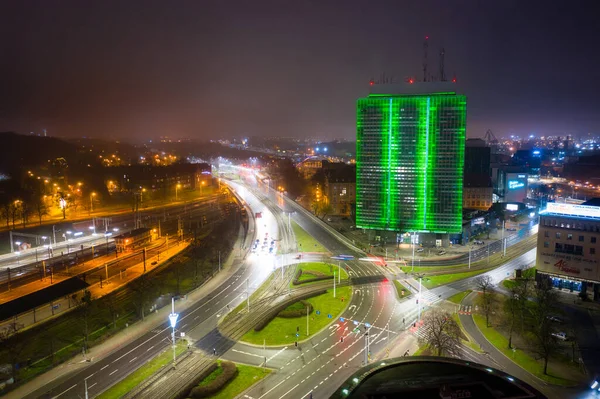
<point>569,246</point>
<point>410,158</point>
<point>477,158</point>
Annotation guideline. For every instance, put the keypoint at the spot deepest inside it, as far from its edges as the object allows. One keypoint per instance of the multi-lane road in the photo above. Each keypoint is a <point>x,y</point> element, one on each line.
<point>318,365</point>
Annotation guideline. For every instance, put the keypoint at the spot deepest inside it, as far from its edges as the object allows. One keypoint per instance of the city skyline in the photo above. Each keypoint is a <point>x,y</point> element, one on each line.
<point>140,69</point>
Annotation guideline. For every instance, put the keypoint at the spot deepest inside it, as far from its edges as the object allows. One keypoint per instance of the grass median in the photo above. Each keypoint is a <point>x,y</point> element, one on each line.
<point>401,290</point>
<point>518,356</point>
<point>457,298</point>
<point>306,242</point>
<point>316,269</point>
<point>282,331</point>
<point>443,279</point>
<point>141,374</point>
<point>246,377</point>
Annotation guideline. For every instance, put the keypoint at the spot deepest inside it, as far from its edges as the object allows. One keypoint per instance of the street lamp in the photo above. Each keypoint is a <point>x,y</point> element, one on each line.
<point>177,187</point>
<point>202,184</point>
<point>173,320</point>
<point>92,195</point>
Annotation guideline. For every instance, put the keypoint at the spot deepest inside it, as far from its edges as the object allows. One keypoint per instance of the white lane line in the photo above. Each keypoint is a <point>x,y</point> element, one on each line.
<point>114,371</point>
<point>147,350</point>
<point>278,353</point>
<point>104,367</point>
<point>65,391</point>
<point>133,359</point>
<point>247,353</point>
<point>91,386</point>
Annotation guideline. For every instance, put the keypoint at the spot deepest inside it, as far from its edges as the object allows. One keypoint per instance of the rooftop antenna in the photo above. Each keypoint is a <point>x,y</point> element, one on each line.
<point>425,46</point>
<point>442,73</point>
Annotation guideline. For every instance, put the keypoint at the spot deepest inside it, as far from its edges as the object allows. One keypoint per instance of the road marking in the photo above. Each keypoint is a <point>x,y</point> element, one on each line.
<point>247,353</point>
<point>133,359</point>
<point>276,354</point>
<point>91,386</point>
<point>147,350</point>
<point>114,372</point>
<point>63,392</point>
<point>104,367</point>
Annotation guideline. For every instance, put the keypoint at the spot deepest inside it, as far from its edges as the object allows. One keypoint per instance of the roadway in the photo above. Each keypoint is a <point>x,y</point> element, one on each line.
<point>201,308</point>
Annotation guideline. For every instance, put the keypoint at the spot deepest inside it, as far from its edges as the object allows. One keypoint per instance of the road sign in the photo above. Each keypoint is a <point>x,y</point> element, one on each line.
<point>318,312</point>
<point>329,316</point>
<point>297,335</point>
<point>342,319</point>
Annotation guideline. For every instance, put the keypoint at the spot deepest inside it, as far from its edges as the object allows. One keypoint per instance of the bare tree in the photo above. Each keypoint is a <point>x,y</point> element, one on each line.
<point>10,342</point>
<point>61,199</point>
<point>143,289</point>
<point>84,308</point>
<point>485,285</point>
<point>544,343</point>
<point>511,312</point>
<point>440,331</point>
<point>15,210</point>
<point>40,208</point>
<point>112,305</point>
<point>523,289</point>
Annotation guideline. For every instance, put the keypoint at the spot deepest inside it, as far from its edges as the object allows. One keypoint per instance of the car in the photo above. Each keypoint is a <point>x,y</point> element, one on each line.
<point>511,229</point>
<point>555,319</point>
<point>420,250</point>
<point>271,250</point>
<point>299,256</point>
<point>442,253</point>
<point>479,242</point>
<point>560,335</point>
<point>257,240</point>
<point>273,242</point>
<point>329,219</point>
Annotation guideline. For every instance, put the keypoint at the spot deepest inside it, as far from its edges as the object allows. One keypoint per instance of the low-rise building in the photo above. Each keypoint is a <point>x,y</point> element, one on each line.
<point>568,250</point>
<point>477,192</point>
<point>340,189</point>
<point>133,239</point>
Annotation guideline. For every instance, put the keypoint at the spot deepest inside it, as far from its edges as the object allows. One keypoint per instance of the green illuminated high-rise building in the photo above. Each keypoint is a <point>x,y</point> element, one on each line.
<point>410,159</point>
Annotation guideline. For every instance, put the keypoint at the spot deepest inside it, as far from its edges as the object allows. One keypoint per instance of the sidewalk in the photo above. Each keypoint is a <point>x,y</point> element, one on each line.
<point>131,333</point>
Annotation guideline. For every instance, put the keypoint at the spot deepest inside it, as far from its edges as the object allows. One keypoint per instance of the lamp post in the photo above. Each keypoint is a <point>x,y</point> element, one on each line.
<point>469,257</point>
<point>173,320</point>
<point>413,252</point>
<point>92,195</point>
<point>177,186</point>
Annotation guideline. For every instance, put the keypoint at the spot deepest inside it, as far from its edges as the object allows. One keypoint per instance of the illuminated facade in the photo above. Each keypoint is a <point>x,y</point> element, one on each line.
<point>568,250</point>
<point>410,160</point>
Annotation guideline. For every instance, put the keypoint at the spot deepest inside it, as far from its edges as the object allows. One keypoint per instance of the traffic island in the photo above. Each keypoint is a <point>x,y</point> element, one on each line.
<point>281,331</point>
<point>311,272</point>
<point>224,380</point>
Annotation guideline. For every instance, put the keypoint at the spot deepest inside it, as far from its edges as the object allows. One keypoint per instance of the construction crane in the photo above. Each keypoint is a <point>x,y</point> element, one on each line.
<point>489,138</point>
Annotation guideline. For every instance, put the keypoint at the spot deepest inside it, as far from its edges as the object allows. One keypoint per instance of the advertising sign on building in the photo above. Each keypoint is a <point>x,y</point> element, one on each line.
<point>559,264</point>
<point>516,187</point>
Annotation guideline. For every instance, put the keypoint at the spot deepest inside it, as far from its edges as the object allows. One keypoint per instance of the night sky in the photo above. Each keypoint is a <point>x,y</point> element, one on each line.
<point>211,69</point>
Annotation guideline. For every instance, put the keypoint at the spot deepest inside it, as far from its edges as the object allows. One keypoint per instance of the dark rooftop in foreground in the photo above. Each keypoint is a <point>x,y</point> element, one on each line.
<point>425,377</point>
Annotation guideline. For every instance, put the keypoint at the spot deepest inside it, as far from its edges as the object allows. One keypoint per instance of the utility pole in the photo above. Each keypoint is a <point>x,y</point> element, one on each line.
<point>469,257</point>
<point>248,293</point>
<point>307,309</point>
<point>413,252</point>
<point>503,240</point>
<point>219,261</point>
<point>334,283</point>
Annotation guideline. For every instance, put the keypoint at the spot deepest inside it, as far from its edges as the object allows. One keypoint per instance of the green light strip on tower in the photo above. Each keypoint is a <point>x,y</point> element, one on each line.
<point>424,204</point>
<point>389,166</point>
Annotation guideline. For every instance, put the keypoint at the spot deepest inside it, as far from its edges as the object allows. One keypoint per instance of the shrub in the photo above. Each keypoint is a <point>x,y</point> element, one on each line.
<point>184,392</point>
<point>274,312</point>
<point>297,312</point>
<point>229,373</point>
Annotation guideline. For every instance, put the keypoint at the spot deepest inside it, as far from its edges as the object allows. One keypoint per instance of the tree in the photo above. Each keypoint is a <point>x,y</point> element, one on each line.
<point>511,312</point>
<point>112,305</point>
<point>326,209</point>
<point>15,210</point>
<point>10,342</point>
<point>485,285</point>
<point>540,334</point>
<point>83,306</point>
<point>143,289</point>
<point>523,292</point>
<point>40,208</point>
<point>6,211</point>
<point>440,331</point>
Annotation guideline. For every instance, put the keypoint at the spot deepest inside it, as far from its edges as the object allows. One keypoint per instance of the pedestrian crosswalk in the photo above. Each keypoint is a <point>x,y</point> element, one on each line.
<point>465,309</point>
<point>429,298</point>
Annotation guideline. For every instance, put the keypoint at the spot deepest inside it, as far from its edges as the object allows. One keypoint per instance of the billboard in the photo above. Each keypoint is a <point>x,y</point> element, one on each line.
<point>575,266</point>
<point>515,189</point>
<point>573,210</point>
